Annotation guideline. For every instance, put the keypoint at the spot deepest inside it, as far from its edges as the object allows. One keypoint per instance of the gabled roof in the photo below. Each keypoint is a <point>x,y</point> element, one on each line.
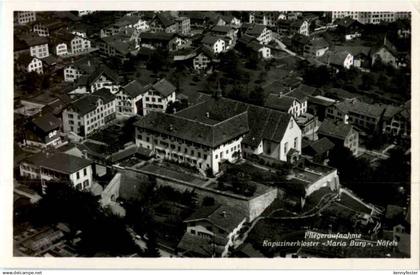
<point>255,30</point>
<point>280,103</point>
<point>318,43</point>
<point>335,129</point>
<point>354,50</point>
<point>158,36</point>
<point>221,29</point>
<point>221,216</point>
<point>263,123</point>
<point>165,19</point>
<point>208,134</point>
<point>102,69</point>
<point>164,87</point>
<point>127,20</point>
<point>88,102</point>
<point>25,59</point>
<point>134,88</point>
<point>320,146</point>
<point>360,107</point>
<point>210,40</point>
<point>59,162</point>
<point>47,122</point>
<point>335,57</point>
<point>34,40</point>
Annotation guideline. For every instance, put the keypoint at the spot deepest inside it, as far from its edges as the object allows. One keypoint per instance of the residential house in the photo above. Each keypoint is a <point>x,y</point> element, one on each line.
<point>318,150</point>
<point>130,98</point>
<point>158,40</point>
<point>211,231</point>
<point>90,112</point>
<point>184,25</point>
<point>260,32</point>
<point>348,27</point>
<point>363,115</point>
<point>25,17</point>
<point>47,27</point>
<point>231,20</point>
<point>298,42</point>
<point>38,46</point>
<point>361,55</point>
<point>339,59</point>
<point>157,96</point>
<point>292,27</point>
<point>82,66</point>
<point>43,130</point>
<point>203,59</point>
<point>341,134</point>
<point>387,53</point>
<point>119,46</point>
<point>65,43</point>
<point>102,77</point>
<point>374,17</point>
<point>225,31</point>
<point>58,167</point>
<point>316,47</point>
<point>124,23</point>
<point>249,45</point>
<point>266,18</point>
<point>397,120</point>
<point>285,103</point>
<point>28,63</point>
<point>164,22</point>
<point>214,43</point>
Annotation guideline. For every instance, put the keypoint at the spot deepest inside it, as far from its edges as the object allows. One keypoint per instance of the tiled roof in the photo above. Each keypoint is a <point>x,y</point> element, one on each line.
<point>34,40</point>
<point>335,129</point>
<point>211,135</point>
<point>263,123</point>
<point>199,246</point>
<point>302,92</point>
<point>255,30</point>
<point>47,122</point>
<point>360,107</point>
<point>221,29</point>
<point>280,103</point>
<point>59,162</point>
<point>134,88</point>
<point>318,43</point>
<point>25,59</point>
<point>87,103</point>
<point>165,18</point>
<point>210,40</point>
<point>335,57</point>
<point>222,216</point>
<point>321,146</point>
<point>354,50</point>
<point>164,87</point>
<point>159,36</point>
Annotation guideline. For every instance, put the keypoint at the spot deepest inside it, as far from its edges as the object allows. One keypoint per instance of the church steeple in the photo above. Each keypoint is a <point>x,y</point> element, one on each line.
<point>218,93</point>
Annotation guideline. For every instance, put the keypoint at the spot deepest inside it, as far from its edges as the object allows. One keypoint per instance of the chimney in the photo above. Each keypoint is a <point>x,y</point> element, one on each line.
<point>171,127</point>
<point>223,214</point>
<point>207,114</point>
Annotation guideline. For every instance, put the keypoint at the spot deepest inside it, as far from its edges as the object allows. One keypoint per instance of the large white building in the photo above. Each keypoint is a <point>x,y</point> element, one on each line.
<point>219,129</point>
<point>198,143</point>
<point>371,17</point>
<point>90,112</point>
<point>58,167</point>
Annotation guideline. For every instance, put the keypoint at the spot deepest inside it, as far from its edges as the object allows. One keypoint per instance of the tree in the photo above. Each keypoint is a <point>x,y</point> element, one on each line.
<point>208,201</point>
<point>157,61</point>
<point>257,96</point>
<point>367,81</point>
<point>316,76</point>
<point>151,250</point>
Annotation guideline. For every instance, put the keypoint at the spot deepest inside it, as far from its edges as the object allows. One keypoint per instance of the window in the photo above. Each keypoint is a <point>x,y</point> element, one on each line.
<point>285,147</point>
<point>77,175</point>
<point>84,172</point>
<point>296,143</point>
<point>192,152</point>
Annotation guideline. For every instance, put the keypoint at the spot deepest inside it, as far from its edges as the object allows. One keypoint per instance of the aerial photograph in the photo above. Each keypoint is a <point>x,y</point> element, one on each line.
<point>212,134</point>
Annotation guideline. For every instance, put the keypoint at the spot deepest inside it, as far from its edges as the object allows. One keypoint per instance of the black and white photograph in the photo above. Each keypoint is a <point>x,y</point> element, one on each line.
<point>212,134</point>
